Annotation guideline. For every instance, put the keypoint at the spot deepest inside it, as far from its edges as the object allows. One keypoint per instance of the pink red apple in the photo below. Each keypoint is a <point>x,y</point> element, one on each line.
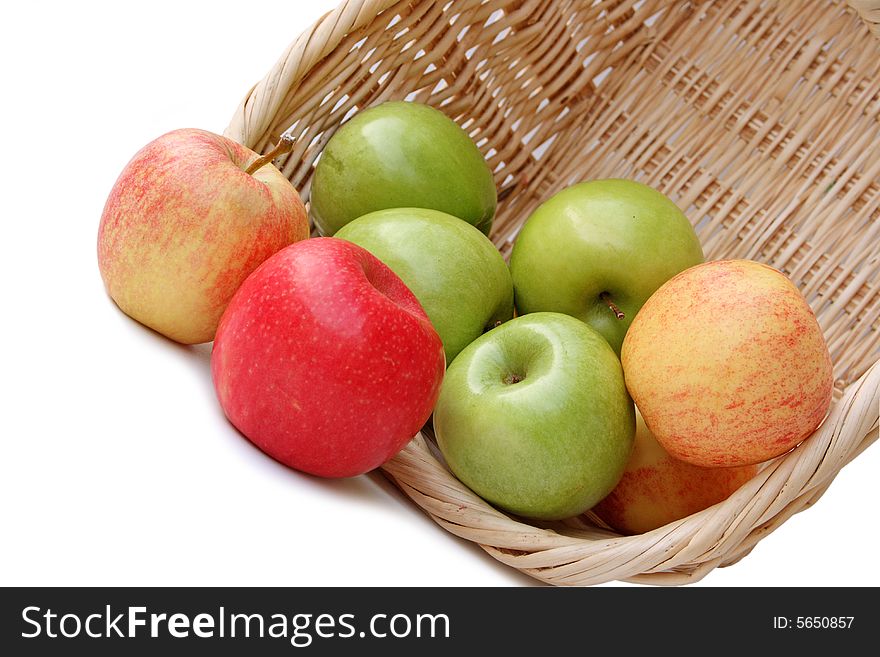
<point>657,489</point>
<point>728,365</point>
<point>184,225</point>
<point>325,360</point>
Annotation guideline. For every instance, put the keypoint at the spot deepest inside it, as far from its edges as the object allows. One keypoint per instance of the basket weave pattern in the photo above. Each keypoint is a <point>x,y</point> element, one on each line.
<point>760,119</point>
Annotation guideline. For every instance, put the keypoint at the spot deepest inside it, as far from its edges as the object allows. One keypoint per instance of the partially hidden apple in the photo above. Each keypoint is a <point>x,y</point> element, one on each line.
<point>325,360</point>
<point>456,273</point>
<point>657,488</point>
<point>185,224</point>
<point>728,364</point>
<point>397,155</point>
<point>597,250</point>
<point>534,417</point>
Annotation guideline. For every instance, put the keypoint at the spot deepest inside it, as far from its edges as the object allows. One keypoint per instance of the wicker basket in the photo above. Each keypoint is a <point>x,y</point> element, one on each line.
<point>760,119</point>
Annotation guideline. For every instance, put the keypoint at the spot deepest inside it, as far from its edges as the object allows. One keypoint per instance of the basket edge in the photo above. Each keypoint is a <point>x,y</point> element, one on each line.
<point>262,101</point>
<point>850,428</point>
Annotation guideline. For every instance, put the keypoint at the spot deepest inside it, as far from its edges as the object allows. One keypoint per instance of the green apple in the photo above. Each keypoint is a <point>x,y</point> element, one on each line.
<point>535,418</point>
<point>453,269</point>
<point>398,155</point>
<point>597,250</point>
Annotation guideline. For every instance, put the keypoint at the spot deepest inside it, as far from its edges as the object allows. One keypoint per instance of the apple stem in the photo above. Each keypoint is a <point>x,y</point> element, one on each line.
<point>608,302</point>
<point>284,145</point>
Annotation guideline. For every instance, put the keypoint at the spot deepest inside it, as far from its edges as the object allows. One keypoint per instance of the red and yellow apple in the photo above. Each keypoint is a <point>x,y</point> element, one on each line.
<point>325,360</point>
<point>728,365</point>
<point>657,488</point>
<point>185,224</point>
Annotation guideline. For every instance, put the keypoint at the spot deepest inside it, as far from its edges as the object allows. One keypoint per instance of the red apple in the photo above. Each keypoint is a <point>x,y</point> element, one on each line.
<point>325,360</point>
<point>185,224</point>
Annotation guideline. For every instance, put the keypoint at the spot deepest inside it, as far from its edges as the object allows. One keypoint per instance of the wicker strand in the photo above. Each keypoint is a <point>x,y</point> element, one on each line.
<point>869,10</point>
<point>760,119</point>
<point>264,100</point>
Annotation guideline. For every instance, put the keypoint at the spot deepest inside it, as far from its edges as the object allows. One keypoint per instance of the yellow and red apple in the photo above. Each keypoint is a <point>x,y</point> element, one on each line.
<point>728,365</point>
<point>185,224</point>
<point>657,488</point>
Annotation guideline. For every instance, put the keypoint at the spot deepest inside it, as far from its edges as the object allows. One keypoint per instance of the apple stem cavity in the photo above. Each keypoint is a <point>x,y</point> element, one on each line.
<point>512,378</point>
<point>606,298</point>
<point>284,145</point>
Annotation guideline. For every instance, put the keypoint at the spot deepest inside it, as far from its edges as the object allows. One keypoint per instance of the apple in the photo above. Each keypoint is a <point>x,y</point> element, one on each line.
<point>456,273</point>
<point>534,417</point>
<point>397,155</point>
<point>728,364</point>
<point>597,250</point>
<point>185,224</point>
<point>657,489</point>
<point>325,360</point>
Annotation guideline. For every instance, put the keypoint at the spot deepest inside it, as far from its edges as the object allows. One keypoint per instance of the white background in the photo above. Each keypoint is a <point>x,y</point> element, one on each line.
<point>118,467</point>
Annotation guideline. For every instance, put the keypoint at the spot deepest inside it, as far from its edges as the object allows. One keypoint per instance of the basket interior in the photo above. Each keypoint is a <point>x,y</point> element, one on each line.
<point>759,119</point>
